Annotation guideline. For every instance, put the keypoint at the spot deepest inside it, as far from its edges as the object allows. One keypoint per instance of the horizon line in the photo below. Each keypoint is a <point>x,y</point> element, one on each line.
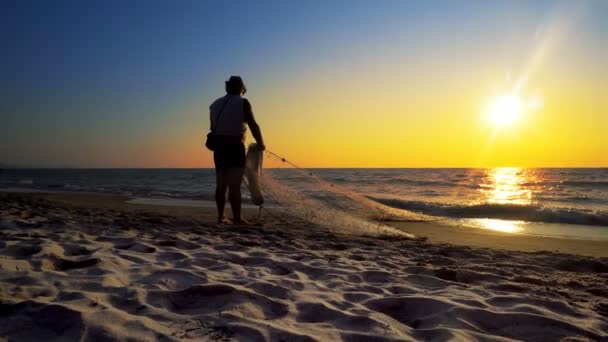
<point>312,167</point>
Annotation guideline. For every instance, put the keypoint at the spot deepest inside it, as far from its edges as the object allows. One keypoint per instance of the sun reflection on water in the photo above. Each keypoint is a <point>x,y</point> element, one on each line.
<point>506,186</point>
<point>501,225</point>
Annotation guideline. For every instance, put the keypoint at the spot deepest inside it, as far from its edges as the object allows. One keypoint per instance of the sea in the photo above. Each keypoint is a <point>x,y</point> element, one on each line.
<point>555,202</point>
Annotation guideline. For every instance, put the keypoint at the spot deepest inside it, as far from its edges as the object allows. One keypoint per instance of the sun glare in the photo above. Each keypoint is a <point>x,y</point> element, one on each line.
<point>505,110</point>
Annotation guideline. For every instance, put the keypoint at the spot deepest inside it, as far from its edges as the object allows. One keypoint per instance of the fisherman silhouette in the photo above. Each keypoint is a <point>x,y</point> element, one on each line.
<point>230,115</point>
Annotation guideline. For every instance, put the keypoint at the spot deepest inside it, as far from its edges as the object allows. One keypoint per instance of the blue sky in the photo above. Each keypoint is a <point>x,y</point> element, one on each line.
<point>84,81</point>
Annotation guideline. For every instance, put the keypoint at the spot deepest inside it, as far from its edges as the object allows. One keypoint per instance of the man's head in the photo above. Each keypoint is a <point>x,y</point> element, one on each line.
<point>235,86</point>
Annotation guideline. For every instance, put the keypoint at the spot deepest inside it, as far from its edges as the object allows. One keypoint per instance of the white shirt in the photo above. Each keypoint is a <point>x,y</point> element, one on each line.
<point>228,115</point>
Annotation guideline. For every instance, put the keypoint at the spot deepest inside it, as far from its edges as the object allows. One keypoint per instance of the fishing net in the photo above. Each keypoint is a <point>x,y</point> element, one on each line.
<point>253,169</point>
<point>303,194</point>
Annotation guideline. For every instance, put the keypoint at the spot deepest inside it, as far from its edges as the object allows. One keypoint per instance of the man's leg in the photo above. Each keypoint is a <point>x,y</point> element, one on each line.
<point>235,178</point>
<point>221,186</point>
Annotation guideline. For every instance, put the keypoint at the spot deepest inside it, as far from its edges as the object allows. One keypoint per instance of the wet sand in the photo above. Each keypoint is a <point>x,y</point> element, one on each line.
<point>88,266</point>
<point>478,237</point>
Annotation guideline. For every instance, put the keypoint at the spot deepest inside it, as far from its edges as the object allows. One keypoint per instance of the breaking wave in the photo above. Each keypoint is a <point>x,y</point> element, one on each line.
<point>529,212</point>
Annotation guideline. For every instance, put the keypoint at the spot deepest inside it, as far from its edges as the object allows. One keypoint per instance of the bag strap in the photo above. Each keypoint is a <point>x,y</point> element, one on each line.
<point>221,111</point>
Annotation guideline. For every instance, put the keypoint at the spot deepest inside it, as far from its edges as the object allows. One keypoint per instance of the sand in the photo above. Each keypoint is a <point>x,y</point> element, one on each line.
<point>90,267</point>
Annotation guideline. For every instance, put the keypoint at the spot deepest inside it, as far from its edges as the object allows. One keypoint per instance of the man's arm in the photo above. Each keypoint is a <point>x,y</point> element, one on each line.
<point>210,117</point>
<point>253,125</point>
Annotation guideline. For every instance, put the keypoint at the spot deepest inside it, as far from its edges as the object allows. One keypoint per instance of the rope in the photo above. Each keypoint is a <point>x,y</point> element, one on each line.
<point>315,177</point>
<point>286,161</point>
<point>321,180</point>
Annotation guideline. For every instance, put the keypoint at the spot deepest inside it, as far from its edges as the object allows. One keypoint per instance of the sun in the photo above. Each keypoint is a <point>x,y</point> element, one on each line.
<point>505,110</point>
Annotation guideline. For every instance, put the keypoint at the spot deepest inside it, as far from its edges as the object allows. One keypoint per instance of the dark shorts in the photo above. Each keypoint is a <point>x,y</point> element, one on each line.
<point>229,155</point>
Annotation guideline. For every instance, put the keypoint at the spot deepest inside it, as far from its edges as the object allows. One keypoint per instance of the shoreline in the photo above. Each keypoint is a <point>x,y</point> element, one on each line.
<point>483,238</point>
<point>435,232</point>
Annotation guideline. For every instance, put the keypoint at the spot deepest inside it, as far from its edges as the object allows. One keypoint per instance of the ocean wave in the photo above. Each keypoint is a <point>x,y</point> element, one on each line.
<point>401,181</point>
<point>532,213</point>
<point>573,199</point>
<point>471,184</point>
<point>575,184</point>
<point>586,183</point>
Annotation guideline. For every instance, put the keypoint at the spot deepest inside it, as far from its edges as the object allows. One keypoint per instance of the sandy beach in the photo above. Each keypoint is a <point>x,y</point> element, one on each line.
<point>90,267</point>
<point>398,171</point>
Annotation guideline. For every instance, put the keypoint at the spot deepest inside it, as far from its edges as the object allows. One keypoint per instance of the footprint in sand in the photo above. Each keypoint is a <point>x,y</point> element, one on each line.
<point>59,264</point>
<point>209,299</point>
<point>75,250</point>
<point>320,313</point>
<point>171,256</point>
<point>136,247</point>
<point>21,251</point>
<point>270,290</point>
<point>177,243</point>
<point>28,321</point>
<point>166,243</point>
<point>171,280</point>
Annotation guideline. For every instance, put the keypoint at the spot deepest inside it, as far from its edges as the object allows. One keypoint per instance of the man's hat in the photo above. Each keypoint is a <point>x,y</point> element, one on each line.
<point>236,82</point>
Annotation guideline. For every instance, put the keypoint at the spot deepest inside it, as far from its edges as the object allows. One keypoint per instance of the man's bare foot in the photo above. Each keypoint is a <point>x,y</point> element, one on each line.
<point>224,220</point>
<point>242,222</point>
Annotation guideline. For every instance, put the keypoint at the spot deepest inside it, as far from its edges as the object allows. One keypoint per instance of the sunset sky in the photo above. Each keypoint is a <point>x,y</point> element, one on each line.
<point>332,83</point>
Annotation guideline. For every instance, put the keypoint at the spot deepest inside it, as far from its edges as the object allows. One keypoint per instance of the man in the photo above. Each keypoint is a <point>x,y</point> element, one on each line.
<point>229,116</point>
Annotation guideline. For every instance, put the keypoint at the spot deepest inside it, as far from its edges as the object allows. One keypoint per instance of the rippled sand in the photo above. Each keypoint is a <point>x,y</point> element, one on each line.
<point>72,272</point>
